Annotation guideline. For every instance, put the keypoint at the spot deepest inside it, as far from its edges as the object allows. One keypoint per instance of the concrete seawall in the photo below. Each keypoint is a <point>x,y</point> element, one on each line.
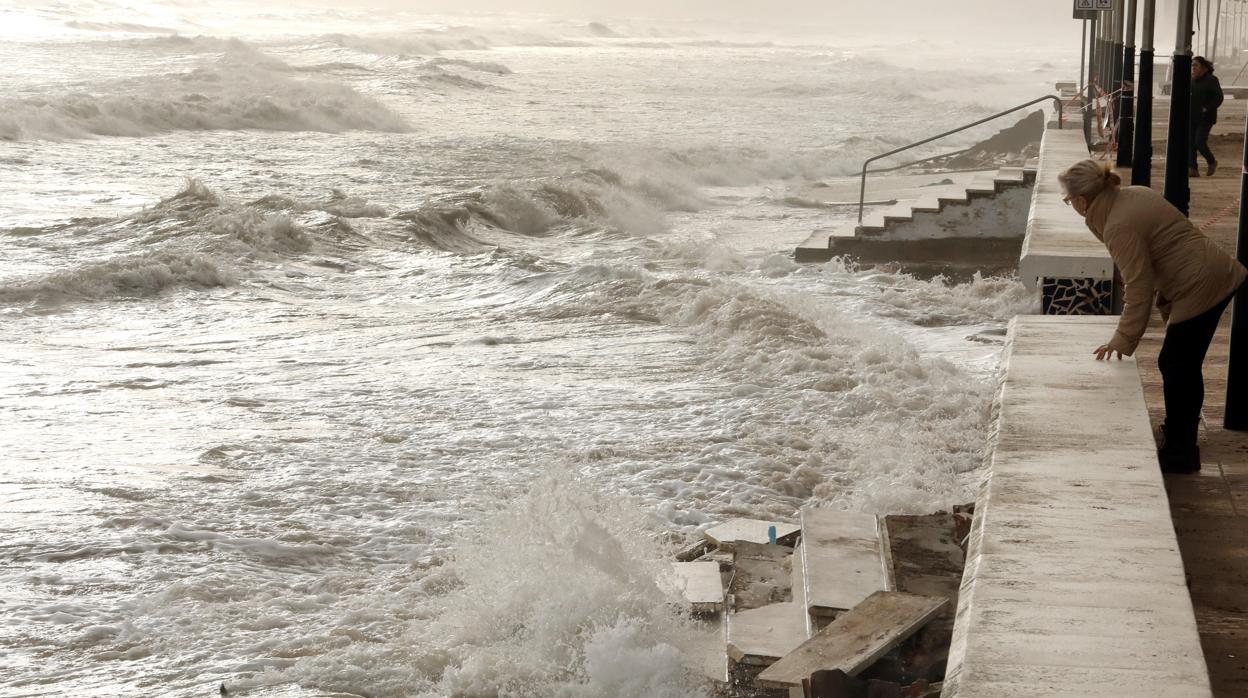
<point>1074,583</point>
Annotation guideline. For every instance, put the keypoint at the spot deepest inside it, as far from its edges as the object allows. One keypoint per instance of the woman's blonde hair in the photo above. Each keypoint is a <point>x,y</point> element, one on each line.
<point>1088,178</point>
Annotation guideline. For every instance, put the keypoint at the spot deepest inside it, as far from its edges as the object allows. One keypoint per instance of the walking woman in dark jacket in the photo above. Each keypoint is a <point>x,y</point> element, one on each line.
<point>1206,98</point>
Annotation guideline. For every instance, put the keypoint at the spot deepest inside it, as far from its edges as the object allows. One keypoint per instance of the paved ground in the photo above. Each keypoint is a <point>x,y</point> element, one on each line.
<point>1210,510</point>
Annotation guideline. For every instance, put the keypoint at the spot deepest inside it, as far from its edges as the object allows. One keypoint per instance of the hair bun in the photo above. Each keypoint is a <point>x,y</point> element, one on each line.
<point>1111,176</point>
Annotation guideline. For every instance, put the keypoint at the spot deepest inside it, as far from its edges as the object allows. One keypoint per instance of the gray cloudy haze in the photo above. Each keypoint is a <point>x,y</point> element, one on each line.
<point>998,20</point>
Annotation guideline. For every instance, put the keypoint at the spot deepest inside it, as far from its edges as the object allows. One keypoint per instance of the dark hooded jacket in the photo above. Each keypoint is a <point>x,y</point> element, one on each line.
<point>1206,98</point>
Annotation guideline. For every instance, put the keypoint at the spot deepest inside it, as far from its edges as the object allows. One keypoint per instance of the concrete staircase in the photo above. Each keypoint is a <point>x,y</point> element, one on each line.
<point>991,210</point>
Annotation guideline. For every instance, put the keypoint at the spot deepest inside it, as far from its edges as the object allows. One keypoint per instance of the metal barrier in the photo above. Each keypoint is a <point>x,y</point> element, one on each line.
<point>862,190</point>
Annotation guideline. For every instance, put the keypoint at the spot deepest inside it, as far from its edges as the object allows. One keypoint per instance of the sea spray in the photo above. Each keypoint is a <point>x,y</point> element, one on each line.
<point>557,593</point>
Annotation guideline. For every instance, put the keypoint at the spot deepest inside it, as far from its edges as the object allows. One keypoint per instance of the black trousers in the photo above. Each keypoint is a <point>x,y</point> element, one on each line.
<point>1200,143</point>
<point>1182,377</point>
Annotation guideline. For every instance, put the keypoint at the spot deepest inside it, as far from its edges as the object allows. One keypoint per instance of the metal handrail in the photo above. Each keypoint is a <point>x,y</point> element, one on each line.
<point>862,189</point>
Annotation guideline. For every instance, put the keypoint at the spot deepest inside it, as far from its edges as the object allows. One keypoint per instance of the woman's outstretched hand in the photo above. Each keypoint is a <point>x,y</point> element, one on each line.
<point>1104,352</point>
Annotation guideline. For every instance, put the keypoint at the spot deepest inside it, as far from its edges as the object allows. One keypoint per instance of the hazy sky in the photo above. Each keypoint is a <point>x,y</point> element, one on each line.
<point>1017,19</point>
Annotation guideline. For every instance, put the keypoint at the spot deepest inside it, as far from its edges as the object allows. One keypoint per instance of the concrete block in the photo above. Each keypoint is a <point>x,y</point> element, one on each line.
<point>701,585</point>
<point>841,555</point>
<point>856,639</point>
<point>760,636</point>
<point>725,535</point>
<point>1073,583</point>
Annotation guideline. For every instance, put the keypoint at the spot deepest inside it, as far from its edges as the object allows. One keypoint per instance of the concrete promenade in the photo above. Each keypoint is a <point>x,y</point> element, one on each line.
<point>1210,510</point>
<point>1074,584</point>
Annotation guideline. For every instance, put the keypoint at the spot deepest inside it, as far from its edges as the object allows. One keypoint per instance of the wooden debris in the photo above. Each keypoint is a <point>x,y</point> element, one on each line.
<point>855,639</point>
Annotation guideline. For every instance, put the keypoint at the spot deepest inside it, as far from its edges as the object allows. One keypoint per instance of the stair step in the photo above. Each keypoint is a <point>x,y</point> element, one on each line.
<point>760,636</point>
<point>856,639</point>
<point>842,558</point>
<point>1010,176</point>
<point>928,204</point>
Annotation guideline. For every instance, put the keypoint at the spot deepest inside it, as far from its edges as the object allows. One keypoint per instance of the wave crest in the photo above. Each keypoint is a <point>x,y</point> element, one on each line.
<point>207,98</point>
<point>137,275</point>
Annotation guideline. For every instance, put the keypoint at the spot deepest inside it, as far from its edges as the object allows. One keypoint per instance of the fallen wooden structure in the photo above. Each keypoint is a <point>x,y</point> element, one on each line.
<point>781,602</point>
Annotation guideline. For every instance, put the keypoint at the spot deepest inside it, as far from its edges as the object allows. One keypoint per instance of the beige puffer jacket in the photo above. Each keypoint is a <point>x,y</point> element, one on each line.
<point>1160,253</point>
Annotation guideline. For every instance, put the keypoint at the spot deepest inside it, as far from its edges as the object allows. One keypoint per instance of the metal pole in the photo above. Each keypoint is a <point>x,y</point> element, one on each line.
<point>1142,167</point>
<point>1103,51</point>
<point>1217,26</point>
<point>1205,29</point>
<point>1116,66</point>
<point>1208,24</point>
<point>1178,153</point>
<point>1236,415</point>
<point>1090,95</point>
<point>1083,55</point>
<point>1115,56</point>
<point>1126,117</point>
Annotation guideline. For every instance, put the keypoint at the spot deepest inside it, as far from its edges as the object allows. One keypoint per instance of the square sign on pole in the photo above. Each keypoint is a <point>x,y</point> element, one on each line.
<point>1087,9</point>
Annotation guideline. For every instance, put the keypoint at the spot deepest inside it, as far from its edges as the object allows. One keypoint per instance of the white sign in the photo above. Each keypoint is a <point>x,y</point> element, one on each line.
<point>1088,9</point>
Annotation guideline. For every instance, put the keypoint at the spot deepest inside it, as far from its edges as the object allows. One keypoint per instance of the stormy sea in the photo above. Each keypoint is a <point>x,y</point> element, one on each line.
<point>390,354</point>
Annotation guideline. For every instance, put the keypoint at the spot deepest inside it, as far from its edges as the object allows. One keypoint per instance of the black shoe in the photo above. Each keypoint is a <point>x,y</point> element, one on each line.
<point>1193,172</point>
<point>1179,460</point>
<point>1213,167</point>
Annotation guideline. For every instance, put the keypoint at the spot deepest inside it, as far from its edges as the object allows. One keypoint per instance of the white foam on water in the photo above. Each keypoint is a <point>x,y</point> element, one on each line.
<point>453,326</point>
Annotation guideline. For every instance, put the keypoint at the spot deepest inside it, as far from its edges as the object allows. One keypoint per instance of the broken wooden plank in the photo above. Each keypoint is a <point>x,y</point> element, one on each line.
<point>727,534</point>
<point>760,636</point>
<point>842,558</point>
<point>701,585</point>
<point>856,639</point>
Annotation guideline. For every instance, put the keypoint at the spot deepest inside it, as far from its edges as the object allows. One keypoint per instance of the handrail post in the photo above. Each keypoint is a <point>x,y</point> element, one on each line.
<point>862,192</point>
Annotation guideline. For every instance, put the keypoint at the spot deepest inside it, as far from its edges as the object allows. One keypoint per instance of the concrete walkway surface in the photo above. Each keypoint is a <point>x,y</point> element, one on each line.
<point>1074,585</point>
<point>1210,510</point>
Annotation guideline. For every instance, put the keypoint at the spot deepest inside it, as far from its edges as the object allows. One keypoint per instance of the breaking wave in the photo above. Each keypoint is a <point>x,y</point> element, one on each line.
<point>480,66</point>
<point>898,432</point>
<point>127,27</point>
<point>137,275</point>
<point>208,98</point>
<point>426,45</point>
<point>194,239</point>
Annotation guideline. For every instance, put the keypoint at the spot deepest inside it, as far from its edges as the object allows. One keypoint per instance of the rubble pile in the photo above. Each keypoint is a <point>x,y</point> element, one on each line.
<point>839,605</point>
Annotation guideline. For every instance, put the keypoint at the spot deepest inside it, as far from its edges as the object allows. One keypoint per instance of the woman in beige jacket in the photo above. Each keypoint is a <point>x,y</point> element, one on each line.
<point>1160,254</point>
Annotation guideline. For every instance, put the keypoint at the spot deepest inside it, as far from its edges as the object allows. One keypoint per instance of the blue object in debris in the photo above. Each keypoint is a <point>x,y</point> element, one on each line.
<point>771,535</point>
